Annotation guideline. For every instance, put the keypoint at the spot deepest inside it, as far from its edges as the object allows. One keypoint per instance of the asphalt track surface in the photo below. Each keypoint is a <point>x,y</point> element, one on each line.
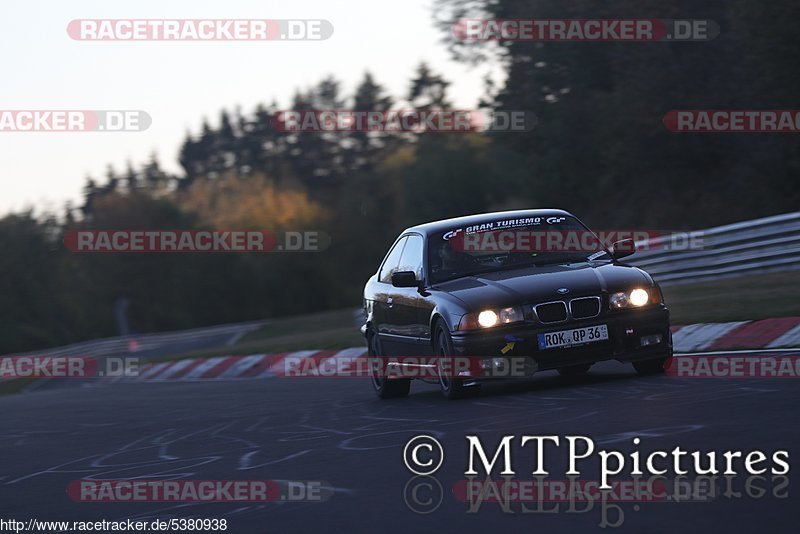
<point>337,431</point>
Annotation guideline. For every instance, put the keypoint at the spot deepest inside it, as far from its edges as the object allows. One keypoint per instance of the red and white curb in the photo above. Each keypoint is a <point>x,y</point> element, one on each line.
<point>240,367</point>
<point>783,332</point>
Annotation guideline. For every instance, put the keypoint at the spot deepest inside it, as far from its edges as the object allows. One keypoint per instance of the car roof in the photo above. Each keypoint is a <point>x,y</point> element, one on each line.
<point>470,220</point>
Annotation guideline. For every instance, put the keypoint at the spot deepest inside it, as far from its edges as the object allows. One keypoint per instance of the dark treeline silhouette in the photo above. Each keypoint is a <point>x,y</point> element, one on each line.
<point>360,188</point>
<point>599,150</point>
<point>600,147</point>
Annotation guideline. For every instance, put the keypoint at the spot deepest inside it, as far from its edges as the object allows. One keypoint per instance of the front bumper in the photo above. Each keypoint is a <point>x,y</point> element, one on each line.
<point>626,330</point>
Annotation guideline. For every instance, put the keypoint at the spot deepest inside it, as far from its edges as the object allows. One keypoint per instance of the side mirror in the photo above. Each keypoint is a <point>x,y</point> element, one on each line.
<point>623,248</point>
<point>404,279</point>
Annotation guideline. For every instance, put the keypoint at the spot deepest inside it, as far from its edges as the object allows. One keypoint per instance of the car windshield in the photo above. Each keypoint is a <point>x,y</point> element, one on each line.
<point>507,244</point>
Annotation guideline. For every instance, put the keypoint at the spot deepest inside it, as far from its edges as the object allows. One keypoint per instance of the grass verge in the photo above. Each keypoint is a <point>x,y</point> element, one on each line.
<point>745,298</point>
<point>738,299</point>
<point>335,329</point>
<point>14,385</point>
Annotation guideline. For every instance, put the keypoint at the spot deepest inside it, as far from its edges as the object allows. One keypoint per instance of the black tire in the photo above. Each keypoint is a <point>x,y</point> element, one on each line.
<point>650,367</point>
<point>385,388</point>
<point>452,388</point>
<point>574,371</point>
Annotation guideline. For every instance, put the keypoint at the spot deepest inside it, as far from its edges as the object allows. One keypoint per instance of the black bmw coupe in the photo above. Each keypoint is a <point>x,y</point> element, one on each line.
<point>535,288</point>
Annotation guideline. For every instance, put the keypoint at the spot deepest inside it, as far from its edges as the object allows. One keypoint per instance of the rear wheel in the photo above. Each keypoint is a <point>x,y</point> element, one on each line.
<point>650,367</point>
<point>385,388</point>
<point>452,387</point>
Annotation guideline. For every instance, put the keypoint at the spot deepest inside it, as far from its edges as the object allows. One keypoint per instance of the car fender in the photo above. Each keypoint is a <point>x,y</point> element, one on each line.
<point>451,317</point>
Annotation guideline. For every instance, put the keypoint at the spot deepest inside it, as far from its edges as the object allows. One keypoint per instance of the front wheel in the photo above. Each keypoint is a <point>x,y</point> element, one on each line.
<point>385,388</point>
<point>452,387</point>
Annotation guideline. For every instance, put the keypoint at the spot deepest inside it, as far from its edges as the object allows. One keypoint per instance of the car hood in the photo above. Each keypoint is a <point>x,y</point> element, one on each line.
<point>541,284</point>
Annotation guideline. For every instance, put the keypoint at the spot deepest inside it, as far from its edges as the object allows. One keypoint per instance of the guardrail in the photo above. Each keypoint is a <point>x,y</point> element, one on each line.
<point>769,244</point>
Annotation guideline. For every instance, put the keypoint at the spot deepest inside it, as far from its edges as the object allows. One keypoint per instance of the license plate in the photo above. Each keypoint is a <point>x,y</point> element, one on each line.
<point>575,336</point>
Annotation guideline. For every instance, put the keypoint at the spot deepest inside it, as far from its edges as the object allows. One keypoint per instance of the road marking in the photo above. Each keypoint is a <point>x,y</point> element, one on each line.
<point>172,371</point>
<point>184,369</point>
<point>739,351</point>
<point>241,366</point>
<point>221,367</point>
<point>154,370</point>
<point>790,338</point>
<point>200,370</point>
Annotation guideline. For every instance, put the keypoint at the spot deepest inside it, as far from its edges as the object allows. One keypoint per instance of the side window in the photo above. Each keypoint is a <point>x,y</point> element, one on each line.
<point>390,264</point>
<point>411,260</point>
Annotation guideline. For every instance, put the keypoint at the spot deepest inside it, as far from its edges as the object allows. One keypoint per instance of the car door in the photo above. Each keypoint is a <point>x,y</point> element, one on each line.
<point>384,310</point>
<point>406,300</point>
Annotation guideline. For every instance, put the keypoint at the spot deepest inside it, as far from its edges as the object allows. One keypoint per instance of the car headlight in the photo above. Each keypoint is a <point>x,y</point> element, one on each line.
<point>639,297</point>
<point>491,318</point>
<point>487,318</point>
<point>510,315</point>
<point>635,298</point>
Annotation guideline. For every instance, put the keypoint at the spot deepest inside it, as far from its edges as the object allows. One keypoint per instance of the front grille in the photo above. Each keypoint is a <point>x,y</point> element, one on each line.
<point>584,308</point>
<point>552,312</point>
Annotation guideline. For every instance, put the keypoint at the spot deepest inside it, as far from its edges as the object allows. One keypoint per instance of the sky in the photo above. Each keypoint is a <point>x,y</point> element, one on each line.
<point>180,83</point>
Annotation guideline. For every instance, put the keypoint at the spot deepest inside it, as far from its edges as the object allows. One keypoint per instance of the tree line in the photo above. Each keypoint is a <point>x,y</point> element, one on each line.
<point>599,150</point>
